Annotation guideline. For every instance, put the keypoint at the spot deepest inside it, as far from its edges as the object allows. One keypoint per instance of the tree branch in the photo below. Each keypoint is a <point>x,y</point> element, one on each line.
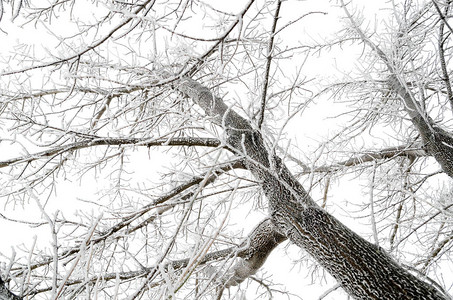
<point>369,156</point>
<point>440,45</point>
<point>439,143</point>
<point>253,252</point>
<point>192,69</point>
<point>270,48</point>
<point>435,252</point>
<point>441,15</point>
<point>147,142</point>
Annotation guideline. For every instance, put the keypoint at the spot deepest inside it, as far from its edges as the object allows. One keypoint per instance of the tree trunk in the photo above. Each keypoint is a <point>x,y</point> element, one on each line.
<point>363,269</point>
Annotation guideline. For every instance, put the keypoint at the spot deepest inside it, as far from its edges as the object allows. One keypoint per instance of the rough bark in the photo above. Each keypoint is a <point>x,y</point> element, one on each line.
<point>5,293</point>
<point>253,252</point>
<point>362,269</point>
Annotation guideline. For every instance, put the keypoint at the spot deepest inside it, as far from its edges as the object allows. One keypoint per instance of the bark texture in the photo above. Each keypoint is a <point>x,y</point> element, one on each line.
<point>5,293</point>
<point>253,252</point>
<point>363,270</point>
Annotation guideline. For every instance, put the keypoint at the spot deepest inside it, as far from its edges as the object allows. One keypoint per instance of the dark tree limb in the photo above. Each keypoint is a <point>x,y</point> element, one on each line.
<point>369,156</point>
<point>440,46</point>
<point>442,15</point>
<point>147,142</point>
<point>270,48</point>
<point>439,248</point>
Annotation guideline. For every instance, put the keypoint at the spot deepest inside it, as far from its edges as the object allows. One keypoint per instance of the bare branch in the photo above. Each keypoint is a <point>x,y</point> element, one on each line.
<point>442,15</point>
<point>441,43</point>
<point>189,141</point>
<point>438,142</point>
<point>254,251</point>
<point>193,68</point>
<point>270,52</point>
<point>370,156</point>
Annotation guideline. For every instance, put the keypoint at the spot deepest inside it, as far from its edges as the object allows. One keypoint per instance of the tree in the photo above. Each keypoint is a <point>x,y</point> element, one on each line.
<point>136,76</point>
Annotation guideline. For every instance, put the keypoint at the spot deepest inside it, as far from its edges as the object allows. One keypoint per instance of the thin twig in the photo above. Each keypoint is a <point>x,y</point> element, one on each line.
<point>270,50</point>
